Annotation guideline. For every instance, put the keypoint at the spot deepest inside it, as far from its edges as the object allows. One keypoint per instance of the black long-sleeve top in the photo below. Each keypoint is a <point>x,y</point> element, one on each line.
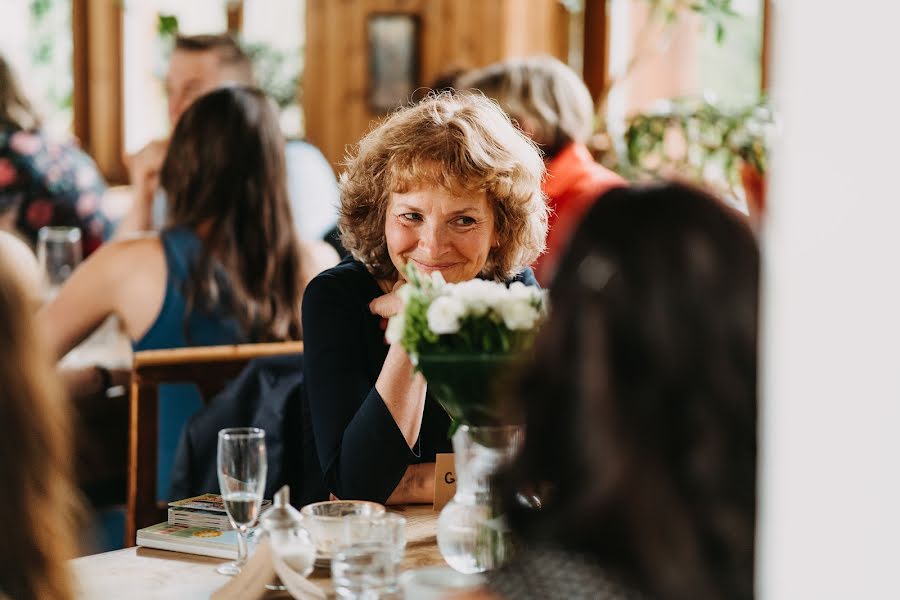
<point>359,449</point>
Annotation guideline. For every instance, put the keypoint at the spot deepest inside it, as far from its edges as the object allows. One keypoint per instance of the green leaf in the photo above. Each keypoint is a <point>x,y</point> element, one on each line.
<point>167,25</point>
<point>720,32</point>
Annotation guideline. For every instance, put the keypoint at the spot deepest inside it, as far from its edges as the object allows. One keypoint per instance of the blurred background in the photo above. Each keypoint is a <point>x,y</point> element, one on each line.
<point>679,86</point>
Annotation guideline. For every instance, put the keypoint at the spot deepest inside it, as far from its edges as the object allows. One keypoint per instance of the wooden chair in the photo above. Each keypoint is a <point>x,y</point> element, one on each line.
<point>209,368</point>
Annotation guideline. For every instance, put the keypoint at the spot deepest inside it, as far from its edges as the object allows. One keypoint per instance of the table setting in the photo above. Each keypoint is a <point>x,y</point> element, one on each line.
<point>464,338</point>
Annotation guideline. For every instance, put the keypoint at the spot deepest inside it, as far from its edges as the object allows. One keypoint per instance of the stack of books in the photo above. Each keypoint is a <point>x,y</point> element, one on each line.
<point>197,525</point>
<point>200,511</point>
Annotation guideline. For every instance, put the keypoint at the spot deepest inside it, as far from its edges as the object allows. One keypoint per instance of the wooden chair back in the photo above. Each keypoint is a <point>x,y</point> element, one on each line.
<point>209,368</point>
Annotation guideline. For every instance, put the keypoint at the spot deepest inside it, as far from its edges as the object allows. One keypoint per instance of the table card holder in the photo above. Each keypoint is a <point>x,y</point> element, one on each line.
<point>444,479</point>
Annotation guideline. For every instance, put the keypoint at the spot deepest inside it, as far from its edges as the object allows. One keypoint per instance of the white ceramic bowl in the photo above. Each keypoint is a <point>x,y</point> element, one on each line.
<point>325,522</point>
<point>436,583</point>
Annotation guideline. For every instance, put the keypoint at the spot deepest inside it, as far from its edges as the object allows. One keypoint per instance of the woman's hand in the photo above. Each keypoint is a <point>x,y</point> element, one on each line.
<point>390,304</point>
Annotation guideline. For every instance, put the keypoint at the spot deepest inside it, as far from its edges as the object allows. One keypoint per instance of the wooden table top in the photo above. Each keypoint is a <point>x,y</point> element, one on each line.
<point>147,573</point>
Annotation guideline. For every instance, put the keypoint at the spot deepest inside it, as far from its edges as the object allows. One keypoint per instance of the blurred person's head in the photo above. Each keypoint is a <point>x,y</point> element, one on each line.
<point>39,497</point>
<point>547,99</point>
<point>224,176</point>
<point>200,64</point>
<point>448,183</point>
<point>640,402</point>
<point>15,109</point>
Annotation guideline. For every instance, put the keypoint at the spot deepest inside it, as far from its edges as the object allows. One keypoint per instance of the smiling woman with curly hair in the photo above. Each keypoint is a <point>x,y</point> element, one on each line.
<point>451,186</point>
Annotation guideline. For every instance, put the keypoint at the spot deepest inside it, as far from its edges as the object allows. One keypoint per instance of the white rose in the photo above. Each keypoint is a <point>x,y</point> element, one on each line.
<point>444,314</point>
<point>394,331</point>
<point>518,314</point>
<point>476,295</point>
<point>405,293</point>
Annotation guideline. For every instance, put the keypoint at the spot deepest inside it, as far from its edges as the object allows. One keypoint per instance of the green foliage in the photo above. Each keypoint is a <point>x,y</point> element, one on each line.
<point>167,26</point>
<point>276,72</point>
<point>50,69</point>
<point>715,13</point>
<point>689,135</point>
<point>40,9</point>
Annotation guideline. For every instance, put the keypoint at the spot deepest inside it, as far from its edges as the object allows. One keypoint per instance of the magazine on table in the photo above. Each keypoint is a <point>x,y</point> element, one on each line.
<point>192,540</point>
<point>197,525</point>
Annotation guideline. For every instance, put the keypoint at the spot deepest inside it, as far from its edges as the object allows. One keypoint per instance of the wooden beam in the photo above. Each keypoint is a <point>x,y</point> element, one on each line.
<point>766,46</point>
<point>596,47</point>
<point>97,65</point>
<point>234,10</point>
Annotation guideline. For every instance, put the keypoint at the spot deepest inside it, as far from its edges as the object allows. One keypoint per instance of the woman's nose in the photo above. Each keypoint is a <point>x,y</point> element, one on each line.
<point>433,240</point>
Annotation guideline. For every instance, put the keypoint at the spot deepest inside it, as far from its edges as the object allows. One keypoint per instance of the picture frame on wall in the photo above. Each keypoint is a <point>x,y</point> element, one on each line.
<point>393,47</point>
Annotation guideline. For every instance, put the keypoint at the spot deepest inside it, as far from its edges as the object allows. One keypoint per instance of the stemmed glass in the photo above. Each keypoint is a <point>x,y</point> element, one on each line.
<point>242,478</point>
<point>58,252</point>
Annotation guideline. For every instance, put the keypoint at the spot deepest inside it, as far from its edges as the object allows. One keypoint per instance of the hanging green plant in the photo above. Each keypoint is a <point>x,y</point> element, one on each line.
<point>691,136</point>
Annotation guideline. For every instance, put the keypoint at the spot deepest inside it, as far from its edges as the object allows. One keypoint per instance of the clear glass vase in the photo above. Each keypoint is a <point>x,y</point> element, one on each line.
<point>472,533</point>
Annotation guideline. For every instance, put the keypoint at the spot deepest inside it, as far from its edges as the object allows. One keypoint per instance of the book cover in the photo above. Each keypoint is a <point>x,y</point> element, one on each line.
<point>192,540</point>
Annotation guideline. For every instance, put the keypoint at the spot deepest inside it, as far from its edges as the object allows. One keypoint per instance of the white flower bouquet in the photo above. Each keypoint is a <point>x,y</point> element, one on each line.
<point>461,335</point>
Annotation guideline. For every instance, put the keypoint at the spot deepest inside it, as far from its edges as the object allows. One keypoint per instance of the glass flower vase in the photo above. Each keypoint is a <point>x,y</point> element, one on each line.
<point>472,534</point>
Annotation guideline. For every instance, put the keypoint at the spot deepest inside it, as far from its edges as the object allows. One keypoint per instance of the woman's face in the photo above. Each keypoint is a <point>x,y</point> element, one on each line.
<point>439,230</point>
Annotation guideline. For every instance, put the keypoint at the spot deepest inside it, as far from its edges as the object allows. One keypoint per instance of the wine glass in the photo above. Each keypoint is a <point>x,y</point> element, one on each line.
<point>58,252</point>
<point>242,478</point>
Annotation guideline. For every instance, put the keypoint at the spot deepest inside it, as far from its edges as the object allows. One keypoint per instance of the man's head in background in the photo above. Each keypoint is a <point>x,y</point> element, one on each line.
<point>200,64</point>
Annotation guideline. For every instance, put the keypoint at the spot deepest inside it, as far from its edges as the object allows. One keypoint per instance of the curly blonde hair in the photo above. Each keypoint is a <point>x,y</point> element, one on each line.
<point>457,142</point>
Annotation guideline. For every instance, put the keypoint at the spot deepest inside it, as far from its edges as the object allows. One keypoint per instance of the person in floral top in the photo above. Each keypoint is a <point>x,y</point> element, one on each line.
<point>42,181</point>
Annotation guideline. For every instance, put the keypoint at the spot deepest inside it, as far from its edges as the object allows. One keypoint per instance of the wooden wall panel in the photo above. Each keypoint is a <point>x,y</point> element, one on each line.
<point>596,47</point>
<point>453,33</point>
<point>97,28</point>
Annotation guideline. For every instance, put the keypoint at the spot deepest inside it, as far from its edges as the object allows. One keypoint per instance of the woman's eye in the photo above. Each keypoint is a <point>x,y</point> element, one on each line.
<point>411,217</point>
<point>464,221</point>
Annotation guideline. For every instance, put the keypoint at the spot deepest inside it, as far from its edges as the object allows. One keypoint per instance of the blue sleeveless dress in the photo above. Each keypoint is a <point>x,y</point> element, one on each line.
<point>177,402</point>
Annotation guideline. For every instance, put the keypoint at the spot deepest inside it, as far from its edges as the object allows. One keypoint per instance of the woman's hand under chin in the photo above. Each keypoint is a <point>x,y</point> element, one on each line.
<point>390,304</point>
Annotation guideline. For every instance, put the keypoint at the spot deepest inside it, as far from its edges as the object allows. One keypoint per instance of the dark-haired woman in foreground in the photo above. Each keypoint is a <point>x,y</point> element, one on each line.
<point>641,409</point>
<point>225,270</point>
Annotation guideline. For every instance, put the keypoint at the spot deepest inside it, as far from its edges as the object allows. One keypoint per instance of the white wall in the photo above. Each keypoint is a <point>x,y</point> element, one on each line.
<point>830,503</point>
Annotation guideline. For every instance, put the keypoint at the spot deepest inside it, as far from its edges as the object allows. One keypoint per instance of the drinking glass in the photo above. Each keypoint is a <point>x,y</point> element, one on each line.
<point>363,571</point>
<point>390,530</point>
<point>366,563</point>
<point>58,252</point>
<point>242,478</point>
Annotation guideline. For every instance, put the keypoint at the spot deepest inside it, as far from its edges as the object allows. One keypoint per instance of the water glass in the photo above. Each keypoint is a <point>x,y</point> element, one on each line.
<point>242,478</point>
<point>59,253</point>
<point>367,561</point>
<point>363,571</point>
<point>390,530</point>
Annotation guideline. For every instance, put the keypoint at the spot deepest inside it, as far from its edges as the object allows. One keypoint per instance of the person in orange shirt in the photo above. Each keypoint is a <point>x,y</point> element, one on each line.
<point>553,106</point>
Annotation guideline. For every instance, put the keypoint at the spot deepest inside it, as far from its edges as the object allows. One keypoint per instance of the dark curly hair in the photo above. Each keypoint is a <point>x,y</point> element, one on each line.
<point>640,404</point>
